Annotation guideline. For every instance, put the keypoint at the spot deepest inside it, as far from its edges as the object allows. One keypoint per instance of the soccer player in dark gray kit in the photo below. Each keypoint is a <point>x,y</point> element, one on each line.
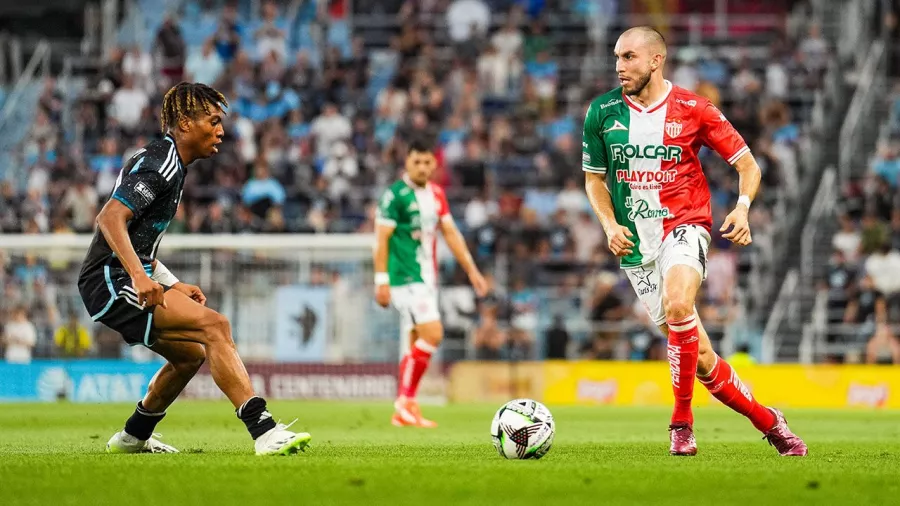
<point>124,286</point>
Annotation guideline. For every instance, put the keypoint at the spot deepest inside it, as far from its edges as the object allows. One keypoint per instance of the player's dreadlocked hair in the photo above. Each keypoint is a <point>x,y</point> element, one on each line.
<point>188,99</point>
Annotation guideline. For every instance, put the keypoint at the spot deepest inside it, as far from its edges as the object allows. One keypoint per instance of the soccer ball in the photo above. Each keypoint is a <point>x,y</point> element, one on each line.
<point>523,429</point>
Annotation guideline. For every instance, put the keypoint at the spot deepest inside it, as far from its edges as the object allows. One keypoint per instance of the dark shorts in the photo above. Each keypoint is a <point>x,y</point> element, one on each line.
<point>109,297</point>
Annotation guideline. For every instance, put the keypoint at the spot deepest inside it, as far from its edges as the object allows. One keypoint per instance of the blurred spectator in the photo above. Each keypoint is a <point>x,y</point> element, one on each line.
<point>262,191</point>
<point>883,347</point>
<point>479,211</point>
<point>722,276</point>
<point>80,202</point>
<point>138,64</point>
<point>128,104</point>
<point>685,73</point>
<point>328,128</point>
<point>340,171</point>
<point>606,307</point>
<point>839,284</point>
<point>587,236</point>
<point>205,65</point>
<point>847,240</point>
<point>544,73</point>
<point>171,50</point>
<point>523,318</point>
<point>19,337</point>
<point>466,18</point>
<point>867,305</point>
<point>72,339</point>
<point>557,339</point>
<point>884,267</point>
<point>741,357</point>
<point>814,49</point>
<point>643,337</point>
<point>271,35</point>
<point>227,37</point>
<point>508,40</point>
<point>572,200</point>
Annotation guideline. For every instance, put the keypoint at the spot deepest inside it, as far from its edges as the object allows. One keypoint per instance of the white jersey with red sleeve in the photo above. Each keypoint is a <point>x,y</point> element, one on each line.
<point>650,157</point>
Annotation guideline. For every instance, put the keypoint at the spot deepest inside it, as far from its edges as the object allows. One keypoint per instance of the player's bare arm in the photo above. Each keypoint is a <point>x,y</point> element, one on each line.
<point>383,235</point>
<point>739,219</point>
<point>617,236</point>
<point>457,245</point>
<point>112,222</point>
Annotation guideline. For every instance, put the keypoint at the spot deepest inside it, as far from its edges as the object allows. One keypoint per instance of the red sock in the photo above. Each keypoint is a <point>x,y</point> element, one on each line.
<point>413,366</point>
<point>726,386</point>
<point>684,346</point>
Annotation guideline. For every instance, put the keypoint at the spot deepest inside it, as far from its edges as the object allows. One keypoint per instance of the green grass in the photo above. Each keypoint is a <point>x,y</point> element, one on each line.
<point>53,454</point>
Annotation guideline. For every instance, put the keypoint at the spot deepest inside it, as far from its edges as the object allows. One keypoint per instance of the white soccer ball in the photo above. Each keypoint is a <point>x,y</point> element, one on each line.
<point>523,429</point>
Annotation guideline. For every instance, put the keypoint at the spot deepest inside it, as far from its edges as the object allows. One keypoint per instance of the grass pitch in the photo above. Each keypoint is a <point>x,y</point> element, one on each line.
<point>54,454</point>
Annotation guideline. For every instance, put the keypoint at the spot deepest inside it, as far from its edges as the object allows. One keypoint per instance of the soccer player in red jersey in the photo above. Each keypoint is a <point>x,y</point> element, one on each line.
<point>645,184</point>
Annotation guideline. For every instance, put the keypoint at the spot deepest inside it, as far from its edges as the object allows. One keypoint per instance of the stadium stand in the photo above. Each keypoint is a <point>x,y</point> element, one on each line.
<point>322,96</point>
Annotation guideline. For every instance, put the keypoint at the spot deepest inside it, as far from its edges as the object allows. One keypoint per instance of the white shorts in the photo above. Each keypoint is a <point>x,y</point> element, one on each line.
<point>685,245</point>
<point>417,304</point>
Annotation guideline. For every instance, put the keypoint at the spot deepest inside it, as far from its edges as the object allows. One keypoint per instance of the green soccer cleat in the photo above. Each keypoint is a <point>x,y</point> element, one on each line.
<point>280,441</point>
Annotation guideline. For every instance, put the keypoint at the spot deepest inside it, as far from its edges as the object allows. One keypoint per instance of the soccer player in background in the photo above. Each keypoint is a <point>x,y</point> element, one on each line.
<point>646,186</point>
<point>124,286</point>
<point>411,213</point>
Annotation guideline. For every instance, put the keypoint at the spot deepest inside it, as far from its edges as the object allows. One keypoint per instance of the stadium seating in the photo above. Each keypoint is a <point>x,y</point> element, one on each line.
<point>524,155</point>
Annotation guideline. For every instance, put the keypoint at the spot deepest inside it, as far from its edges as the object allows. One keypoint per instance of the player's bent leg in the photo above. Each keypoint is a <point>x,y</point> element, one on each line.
<point>680,285</point>
<point>185,320</point>
<point>412,368</point>
<point>182,320</point>
<point>726,386</point>
<point>183,361</point>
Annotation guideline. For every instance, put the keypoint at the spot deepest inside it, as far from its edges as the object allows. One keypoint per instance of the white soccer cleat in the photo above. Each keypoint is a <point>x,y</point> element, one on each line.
<point>280,441</point>
<point>122,442</point>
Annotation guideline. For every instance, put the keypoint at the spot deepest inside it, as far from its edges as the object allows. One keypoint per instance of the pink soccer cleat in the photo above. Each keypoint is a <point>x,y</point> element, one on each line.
<point>683,442</point>
<point>786,442</point>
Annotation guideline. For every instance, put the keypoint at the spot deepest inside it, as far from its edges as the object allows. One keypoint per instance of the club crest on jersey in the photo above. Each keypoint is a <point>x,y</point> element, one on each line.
<point>673,128</point>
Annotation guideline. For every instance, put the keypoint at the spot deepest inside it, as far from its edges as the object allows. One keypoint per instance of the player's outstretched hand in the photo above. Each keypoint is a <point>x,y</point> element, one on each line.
<point>149,292</point>
<point>383,295</point>
<point>191,291</point>
<point>618,242</point>
<point>740,226</point>
<point>479,284</point>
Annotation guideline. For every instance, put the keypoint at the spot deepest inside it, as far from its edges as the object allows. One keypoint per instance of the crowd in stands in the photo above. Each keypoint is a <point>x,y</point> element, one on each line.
<point>316,128</point>
<point>863,276</point>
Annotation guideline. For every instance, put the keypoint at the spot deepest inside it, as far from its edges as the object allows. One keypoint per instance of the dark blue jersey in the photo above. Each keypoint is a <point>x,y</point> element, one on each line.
<point>150,184</point>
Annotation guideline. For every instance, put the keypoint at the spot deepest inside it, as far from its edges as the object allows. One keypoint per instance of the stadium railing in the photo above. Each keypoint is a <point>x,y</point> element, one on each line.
<point>19,107</point>
<point>306,298</point>
<point>855,136</point>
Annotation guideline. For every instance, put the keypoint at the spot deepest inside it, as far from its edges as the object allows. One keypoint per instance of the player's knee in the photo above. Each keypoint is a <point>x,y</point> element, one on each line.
<point>431,333</point>
<point>677,309</point>
<point>218,329</point>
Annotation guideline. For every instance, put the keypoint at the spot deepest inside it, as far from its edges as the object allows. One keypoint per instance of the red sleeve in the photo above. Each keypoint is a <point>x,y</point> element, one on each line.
<point>717,133</point>
<point>443,210</point>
